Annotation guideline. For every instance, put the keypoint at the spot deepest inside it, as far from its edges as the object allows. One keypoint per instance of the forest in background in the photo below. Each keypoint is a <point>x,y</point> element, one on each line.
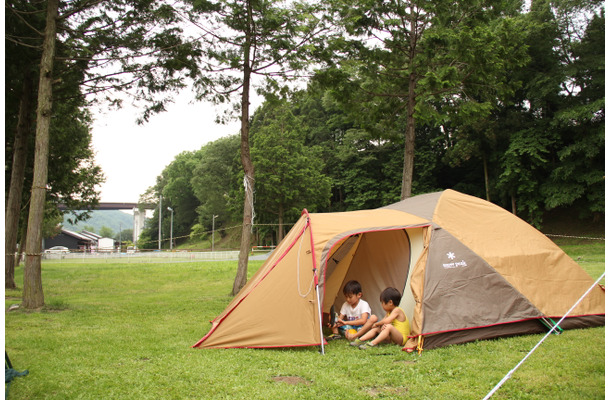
<point>501,99</point>
<point>337,145</point>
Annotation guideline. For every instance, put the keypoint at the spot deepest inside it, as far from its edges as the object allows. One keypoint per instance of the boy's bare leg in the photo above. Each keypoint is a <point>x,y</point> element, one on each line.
<point>370,334</point>
<point>365,328</point>
<point>388,333</point>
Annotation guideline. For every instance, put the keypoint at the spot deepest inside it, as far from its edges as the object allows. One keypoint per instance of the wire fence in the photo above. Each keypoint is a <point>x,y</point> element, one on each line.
<point>288,225</point>
<point>575,237</point>
<point>155,256</point>
<point>165,256</point>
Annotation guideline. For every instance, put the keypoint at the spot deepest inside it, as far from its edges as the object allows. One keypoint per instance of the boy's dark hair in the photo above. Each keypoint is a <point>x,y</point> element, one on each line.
<point>390,294</point>
<point>352,287</point>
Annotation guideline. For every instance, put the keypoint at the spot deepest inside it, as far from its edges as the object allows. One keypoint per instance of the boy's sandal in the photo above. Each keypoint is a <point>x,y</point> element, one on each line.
<point>366,346</point>
<point>356,342</point>
<point>334,336</point>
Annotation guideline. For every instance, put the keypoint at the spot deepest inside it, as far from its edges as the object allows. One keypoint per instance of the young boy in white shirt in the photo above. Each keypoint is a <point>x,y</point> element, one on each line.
<point>355,317</point>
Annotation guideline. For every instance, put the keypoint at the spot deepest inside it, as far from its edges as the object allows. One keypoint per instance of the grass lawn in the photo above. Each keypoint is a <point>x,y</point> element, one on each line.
<point>124,331</point>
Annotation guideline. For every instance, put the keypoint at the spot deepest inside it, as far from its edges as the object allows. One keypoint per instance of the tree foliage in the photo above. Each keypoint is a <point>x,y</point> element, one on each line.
<point>421,62</point>
<point>216,182</point>
<point>289,174</point>
<point>483,96</point>
<point>75,45</point>
<point>553,125</point>
<point>519,120</point>
<point>242,40</point>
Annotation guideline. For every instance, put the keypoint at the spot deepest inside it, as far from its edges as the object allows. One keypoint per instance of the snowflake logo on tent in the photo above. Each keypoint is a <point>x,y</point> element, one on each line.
<point>451,255</point>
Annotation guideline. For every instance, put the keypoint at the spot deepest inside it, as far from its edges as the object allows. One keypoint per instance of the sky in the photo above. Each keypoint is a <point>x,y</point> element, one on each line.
<point>132,156</point>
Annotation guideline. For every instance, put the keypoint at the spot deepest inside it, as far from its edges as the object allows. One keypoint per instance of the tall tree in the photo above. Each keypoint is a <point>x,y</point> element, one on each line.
<point>23,52</point>
<point>71,174</point>
<point>245,39</point>
<point>577,174</point>
<point>215,181</point>
<point>19,160</point>
<point>409,57</point>
<point>525,119</point>
<point>174,185</point>
<point>178,194</point>
<point>96,34</point>
<point>553,124</point>
<point>325,123</point>
<point>368,170</point>
<point>290,173</point>
<point>33,296</point>
<point>19,106</point>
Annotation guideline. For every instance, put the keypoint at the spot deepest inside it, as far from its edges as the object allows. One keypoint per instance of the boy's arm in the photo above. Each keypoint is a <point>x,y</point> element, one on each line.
<point>340,320</point>
<point>360,321</point>
<point>388,320</point>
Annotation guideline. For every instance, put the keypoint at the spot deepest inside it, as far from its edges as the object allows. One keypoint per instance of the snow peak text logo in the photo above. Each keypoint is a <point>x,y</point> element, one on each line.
<point>454,264</point>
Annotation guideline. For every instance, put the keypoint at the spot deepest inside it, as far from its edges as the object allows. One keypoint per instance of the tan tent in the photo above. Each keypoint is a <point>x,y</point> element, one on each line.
<point>467,269</point>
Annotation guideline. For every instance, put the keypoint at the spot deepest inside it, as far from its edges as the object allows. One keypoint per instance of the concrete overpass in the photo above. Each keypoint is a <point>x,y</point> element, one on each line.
<point>138,216</point>
<point>116,206</point>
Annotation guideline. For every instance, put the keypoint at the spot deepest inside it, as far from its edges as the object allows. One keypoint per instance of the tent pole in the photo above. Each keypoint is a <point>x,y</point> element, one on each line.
<point>315,276</point>
<point>320,318</point>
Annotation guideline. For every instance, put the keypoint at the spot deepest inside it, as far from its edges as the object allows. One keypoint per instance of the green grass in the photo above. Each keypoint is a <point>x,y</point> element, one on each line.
<point>124,331</point>
<point>590,256</point>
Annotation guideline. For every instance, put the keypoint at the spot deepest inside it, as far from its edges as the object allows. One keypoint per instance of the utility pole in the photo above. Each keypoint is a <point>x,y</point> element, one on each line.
<point>160,214</point>
<point>213,220</point>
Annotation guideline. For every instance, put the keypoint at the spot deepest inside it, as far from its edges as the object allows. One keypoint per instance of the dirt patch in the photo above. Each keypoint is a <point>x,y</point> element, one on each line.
<point>291,380</point>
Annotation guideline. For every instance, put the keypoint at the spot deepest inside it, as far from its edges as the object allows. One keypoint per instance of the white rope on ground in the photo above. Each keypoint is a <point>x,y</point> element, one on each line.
<point>510,373</point>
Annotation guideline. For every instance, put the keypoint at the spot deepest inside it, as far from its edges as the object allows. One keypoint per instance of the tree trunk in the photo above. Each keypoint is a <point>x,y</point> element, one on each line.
<point>486,173</point>
<point>513,202</point>
<point>246,162</point>
<point>280,231</point>
<point>23,232</point>
<point>32,276</point>
<point>409,156</point>
<point>15,192</point>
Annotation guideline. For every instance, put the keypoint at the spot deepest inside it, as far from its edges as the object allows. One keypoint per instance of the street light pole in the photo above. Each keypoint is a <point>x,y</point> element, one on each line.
<point>160,214</point>
<point>171,229</point>
<point>213,220</point>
